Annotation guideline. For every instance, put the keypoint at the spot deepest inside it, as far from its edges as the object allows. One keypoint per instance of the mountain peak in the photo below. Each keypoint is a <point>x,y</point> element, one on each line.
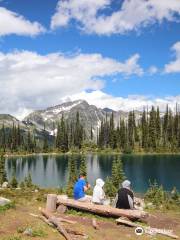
<point>66,106</point>
<point>108,110</point>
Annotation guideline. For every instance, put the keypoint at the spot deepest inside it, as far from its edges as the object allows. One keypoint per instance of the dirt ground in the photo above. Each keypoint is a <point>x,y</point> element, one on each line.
<point>13,219</point>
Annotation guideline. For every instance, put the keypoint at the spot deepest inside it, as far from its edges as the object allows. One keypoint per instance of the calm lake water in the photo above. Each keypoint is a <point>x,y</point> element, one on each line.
<point>52,171</point>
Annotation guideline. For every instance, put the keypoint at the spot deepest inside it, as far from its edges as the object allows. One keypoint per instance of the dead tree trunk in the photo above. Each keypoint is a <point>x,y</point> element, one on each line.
<point>56,223</point>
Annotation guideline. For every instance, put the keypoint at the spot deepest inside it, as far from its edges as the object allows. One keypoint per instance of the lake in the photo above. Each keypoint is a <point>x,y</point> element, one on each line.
<point>52,170</point>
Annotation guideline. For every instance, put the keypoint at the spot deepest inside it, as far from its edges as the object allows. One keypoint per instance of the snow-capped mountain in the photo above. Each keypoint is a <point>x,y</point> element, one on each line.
<point>90,115</point>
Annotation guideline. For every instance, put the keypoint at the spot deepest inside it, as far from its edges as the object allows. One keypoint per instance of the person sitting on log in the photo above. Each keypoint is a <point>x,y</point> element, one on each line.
<point>98,192</point>
<point>80,187</point>
<point>125,196</point>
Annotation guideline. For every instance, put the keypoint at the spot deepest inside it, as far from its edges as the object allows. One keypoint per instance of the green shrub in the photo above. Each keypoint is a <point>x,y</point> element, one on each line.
<point>36,232</point>
<point>161,198</point>
<point>12,238</point>
<point>27,183</point>
<point>13,182</point>
<point>6,207</point>
<point>69,189</point>
<point>39,233</point>
<point>155,194</point>
<point>22,185</point>
<point>109,187</point>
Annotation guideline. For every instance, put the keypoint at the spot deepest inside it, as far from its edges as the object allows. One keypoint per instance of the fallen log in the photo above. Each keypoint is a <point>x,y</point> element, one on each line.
<point>59,227</point>
<point>48,217</point>
<point>60,219</point>
<point>102,209</point>
<point>46,221</point>
<point>66,220</point>
<point>127,222</point>
<point>147,229</point>
<point>56,223</point>
<point>75,232</point>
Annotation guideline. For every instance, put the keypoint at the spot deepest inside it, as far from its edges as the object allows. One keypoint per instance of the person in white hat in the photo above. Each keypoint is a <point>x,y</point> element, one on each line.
<point>98,192</point>
<point>125,196</point>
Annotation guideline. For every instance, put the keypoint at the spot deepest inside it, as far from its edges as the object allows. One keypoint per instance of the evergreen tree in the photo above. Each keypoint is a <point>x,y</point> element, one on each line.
<point>112,183</point>
<point>170,133</point>
<point>158,127</point>
<point>78,132</point>
<point>136,134</point>
<point>91,133</point>
<point>30,142</point>
<point>58,139</point>
<point>71,134</point>
<point>14,138</point>
<point>176,126</point>
<point>131,129</point>
<point>144,129</point>
<point>45,141</point>
<point>106,132</point>
<point>29,183</point>
<point>122,135</point>
<point>97,137</point>
<point>178,130</point>
<point>3,176</point>
<point>152,129</point>
<point>72,176</point>
<point>165,127</point>
<point>118,175</point>
<point>101,135</point>
<point>112,134</point>
<point>19,138</point>
<point>14,182</point>
<point>22,185</point>
<point>83,166</point>
<point>109,188</point>
<point>3,139</point>
<point>62,136</point>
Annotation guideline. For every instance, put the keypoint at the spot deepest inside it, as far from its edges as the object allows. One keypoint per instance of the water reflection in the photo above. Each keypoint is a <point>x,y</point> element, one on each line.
<point>52,171</point>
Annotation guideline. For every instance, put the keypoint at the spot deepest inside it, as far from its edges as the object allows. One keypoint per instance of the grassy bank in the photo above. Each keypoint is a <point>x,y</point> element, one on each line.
<point>17,218</point>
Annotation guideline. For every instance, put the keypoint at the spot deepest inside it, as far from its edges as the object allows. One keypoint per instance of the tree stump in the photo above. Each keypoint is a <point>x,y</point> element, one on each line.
<point>51,202</point>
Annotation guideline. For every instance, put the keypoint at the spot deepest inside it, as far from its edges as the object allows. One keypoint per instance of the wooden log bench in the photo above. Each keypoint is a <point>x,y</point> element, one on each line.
<point>103,210</point>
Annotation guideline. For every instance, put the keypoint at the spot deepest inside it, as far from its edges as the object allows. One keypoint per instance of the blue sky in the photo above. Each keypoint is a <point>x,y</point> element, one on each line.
<point>125,52</point>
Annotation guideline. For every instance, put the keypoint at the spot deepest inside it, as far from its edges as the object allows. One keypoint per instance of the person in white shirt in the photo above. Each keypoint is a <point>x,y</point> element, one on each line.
<point>98,192</point>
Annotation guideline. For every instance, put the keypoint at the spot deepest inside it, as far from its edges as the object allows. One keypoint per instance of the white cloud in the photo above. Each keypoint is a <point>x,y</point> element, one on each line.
<point>152,70</point>
<point>31,81</point>
<point>12,23</point>
<point>132,14</point>
<point>174,66</point>
<point>136,102</point>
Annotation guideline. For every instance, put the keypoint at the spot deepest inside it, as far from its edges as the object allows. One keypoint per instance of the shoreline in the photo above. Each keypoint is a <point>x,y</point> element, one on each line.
<point>87,152</point>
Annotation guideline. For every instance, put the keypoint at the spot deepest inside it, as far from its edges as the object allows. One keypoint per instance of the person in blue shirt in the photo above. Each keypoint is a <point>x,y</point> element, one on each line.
<point>80,187</point>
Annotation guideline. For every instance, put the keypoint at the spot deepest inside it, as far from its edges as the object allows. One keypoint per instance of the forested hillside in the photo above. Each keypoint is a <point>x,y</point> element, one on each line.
<point>150,131</point>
